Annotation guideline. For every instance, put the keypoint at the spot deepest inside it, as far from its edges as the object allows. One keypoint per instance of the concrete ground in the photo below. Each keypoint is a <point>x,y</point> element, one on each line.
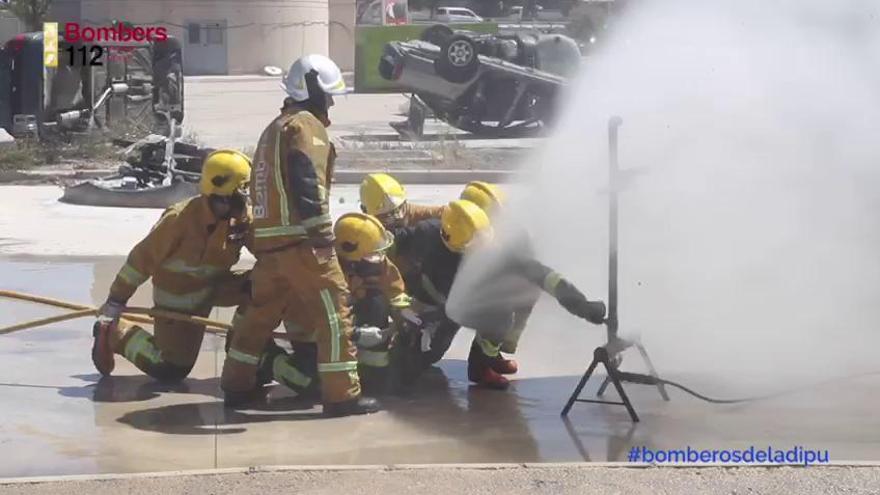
<point>513,480</point>
<point>59,418</point>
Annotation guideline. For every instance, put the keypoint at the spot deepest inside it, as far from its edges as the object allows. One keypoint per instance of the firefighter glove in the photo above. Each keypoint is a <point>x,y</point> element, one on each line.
<point>110,311</point>
<point>577,304</point>
<point>367,337</point>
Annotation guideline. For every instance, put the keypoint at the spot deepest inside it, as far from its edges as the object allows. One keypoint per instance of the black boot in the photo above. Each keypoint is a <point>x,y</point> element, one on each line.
<point>265,372</point>
<point>361,405</point>
<point>480,370</point>
<point>374,380</point>
<point>255,397</point>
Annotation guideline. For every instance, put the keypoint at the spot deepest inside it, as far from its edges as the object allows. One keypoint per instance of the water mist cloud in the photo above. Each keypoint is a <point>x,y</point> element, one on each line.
<point>750,237</point>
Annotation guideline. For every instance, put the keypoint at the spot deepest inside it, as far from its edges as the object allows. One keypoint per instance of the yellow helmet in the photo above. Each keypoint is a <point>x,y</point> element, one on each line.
<point>359,235</point>
<point>461,223</point>
<point>487,196</point>
<point>381,194</point>
<point>224,172</point>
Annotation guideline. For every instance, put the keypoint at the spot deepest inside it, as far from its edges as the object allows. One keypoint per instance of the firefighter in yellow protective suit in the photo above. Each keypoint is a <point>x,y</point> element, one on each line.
<point>188,254</point>
<point>377,297</point>
<point>383,197</point>
<point>296,266</point>
<point>490,199</point>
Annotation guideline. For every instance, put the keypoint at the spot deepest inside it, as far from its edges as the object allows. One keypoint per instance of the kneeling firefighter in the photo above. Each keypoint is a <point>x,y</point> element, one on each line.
<point>188,254</point>
<point>296,265</point>
<point>439,247</point>
<point>377,297</point>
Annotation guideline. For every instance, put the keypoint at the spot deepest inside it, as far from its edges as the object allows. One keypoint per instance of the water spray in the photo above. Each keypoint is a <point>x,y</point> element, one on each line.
<point>609,355</point>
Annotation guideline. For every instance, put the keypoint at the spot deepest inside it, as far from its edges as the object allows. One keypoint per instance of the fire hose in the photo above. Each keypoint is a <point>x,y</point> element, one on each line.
<point>135,314</point>
<point>643,379</point>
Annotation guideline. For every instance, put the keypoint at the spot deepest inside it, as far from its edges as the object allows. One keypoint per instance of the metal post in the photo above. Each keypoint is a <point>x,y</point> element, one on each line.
<point>613,171</point>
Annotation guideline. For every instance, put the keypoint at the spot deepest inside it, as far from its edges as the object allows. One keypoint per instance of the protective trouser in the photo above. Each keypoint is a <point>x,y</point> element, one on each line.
<point>170,353</point>
<point>294,277</point>
<point>511,340</point>
<point>520,319</point>
<point>296,371</point>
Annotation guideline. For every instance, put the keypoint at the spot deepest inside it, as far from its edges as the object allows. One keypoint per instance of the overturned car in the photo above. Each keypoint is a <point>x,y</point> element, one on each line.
<point>496,85</point>
<point>133,89</point>
<point>133,85</point>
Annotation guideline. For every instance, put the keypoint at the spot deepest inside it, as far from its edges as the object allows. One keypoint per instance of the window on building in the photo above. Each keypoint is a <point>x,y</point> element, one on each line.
<point>194,33</point>
<point>215,34</point>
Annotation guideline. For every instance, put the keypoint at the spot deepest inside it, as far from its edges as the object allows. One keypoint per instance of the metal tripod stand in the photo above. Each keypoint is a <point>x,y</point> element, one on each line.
<point>609,355</point>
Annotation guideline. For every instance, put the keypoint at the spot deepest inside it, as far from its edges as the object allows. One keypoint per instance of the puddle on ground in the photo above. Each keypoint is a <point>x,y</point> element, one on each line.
<point>59,418</point>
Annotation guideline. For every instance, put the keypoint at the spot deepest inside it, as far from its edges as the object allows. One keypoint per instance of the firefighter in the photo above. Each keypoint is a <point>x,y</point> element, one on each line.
<point>188,254</point>
<point>296,265</point>
<point>377,296</point>
<point>383,197</point>
<point>377,291</point>
<point>439,246</point>
<point>490,199</point>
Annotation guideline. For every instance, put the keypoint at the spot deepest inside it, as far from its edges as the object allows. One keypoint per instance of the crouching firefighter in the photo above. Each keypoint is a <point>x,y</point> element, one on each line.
<point>464,227</point>
<point>189,254</point>
<point>490,199</point>
<point>383,197</point>
<point>378,296</point>
<point>376,290</point>
<point>296,263</point>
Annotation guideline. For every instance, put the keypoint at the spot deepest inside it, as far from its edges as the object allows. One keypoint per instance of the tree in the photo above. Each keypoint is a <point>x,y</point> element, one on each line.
<point>31,12</point>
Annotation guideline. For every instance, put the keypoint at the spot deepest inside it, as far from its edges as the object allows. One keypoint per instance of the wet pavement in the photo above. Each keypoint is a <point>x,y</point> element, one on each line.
<point>57,417</point>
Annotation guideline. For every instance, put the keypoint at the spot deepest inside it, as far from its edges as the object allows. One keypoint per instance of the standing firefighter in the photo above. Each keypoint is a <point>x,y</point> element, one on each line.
<point>188,254</point>
<point>297,268</point>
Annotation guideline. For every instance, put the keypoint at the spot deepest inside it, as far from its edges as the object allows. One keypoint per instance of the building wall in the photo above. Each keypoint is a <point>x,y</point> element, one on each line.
<point>9,26</point>
<point>342,22</point>
<point>259,32</point>
<point>65,11</point>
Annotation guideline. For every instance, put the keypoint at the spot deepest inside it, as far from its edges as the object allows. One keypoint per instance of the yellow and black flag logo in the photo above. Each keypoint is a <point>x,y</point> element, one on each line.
<point>50,44</point>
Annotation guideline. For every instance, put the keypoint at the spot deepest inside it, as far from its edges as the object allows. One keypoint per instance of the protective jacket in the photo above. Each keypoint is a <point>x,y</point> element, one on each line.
<point>290,187</point>
<point>413,214</point>
<point>376,290</point>
<point>439,266</point>
<point>422,244</point>
<point>186,253</point>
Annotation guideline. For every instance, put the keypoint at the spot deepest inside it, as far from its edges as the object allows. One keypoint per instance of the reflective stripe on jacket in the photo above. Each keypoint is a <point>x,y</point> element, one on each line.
<point>291,182</point>
<point>184,253</point>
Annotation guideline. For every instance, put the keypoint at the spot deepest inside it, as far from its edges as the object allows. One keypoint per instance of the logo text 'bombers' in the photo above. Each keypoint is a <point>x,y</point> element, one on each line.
<point>74,32</point>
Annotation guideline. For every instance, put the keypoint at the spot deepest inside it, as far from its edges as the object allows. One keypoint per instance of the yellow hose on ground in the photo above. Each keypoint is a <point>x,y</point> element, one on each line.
<point>217,327</point>
<point>131,314</point>
<point>46,321</point>
<point>62,304</point>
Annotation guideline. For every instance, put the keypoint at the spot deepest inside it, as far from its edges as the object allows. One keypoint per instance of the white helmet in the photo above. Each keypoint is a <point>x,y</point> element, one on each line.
<point>329,77</point>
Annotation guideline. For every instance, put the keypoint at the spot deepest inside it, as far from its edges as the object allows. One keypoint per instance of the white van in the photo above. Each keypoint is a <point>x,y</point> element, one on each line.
<point>456,14</point>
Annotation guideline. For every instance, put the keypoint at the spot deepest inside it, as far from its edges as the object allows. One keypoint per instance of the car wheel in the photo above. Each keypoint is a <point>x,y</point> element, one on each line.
<point>458,59</point>
<point>437,34</point>
<point>386,68</point>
